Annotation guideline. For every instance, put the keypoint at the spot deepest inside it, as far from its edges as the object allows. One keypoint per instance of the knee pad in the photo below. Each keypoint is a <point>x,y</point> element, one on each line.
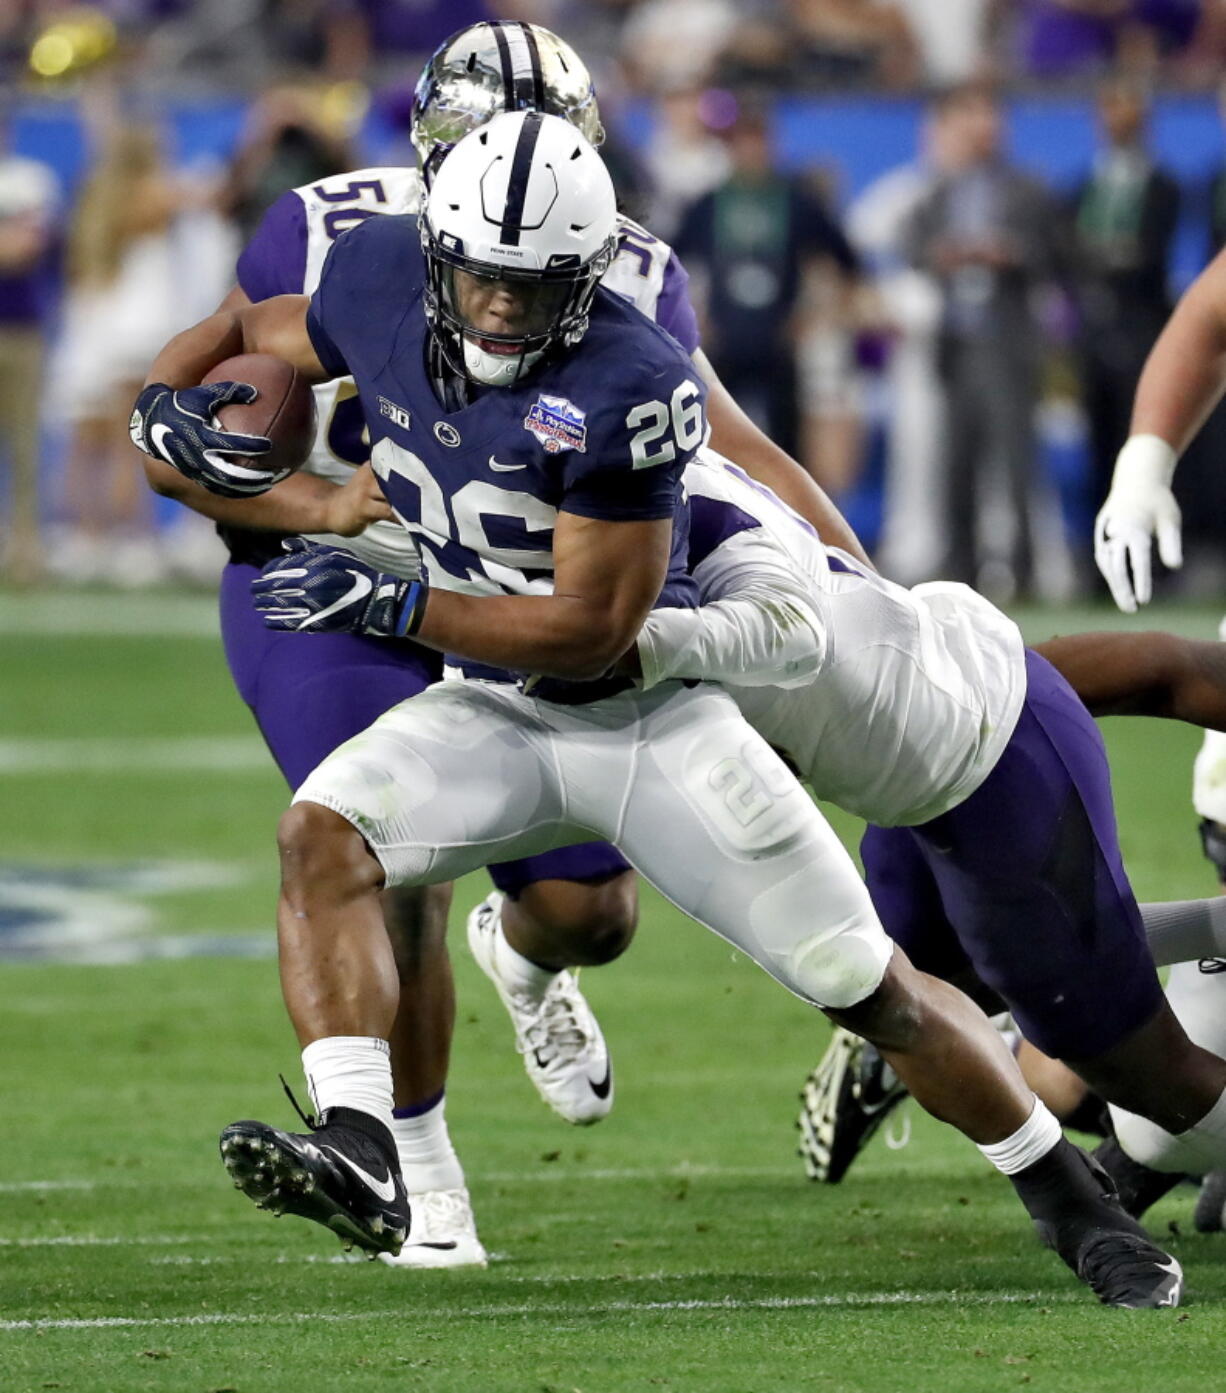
<point>841,970</point>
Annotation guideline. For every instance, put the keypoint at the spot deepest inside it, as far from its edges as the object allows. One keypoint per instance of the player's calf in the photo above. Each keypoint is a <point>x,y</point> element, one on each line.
<point>563,1047</point>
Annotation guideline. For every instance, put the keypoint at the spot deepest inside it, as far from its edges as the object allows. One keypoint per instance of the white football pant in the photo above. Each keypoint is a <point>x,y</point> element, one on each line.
<point>468,773</point>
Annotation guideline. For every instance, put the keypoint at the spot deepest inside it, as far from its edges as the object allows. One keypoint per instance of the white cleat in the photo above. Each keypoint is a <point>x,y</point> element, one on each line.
<point>562,1044</point>
<point>443,1233</point>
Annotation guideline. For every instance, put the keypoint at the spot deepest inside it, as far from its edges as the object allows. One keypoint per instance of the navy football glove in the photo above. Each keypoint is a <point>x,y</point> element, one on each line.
<point>326,591</point>
<point>178,428</point>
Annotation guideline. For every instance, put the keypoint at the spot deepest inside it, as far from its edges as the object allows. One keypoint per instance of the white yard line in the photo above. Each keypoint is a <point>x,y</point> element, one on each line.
<point>684,1170</point>
<point>499,1311</point>
<point>89,1240</point>
<point>16,1187</point>
<point>227,754</point>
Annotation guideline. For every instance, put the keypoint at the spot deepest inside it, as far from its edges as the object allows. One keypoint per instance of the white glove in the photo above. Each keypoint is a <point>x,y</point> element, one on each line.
<point>1139,507</point>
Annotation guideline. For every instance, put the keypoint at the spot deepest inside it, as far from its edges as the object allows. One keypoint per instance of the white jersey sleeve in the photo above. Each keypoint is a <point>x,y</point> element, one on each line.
<point>757,625</point>
<point>912,694</point>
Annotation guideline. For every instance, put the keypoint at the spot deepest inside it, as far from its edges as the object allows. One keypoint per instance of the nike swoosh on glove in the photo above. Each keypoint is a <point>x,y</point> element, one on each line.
<point>179,429</point>
<point>324,590</point>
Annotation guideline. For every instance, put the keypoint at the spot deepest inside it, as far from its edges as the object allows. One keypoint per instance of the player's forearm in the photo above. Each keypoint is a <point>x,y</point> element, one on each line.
<point>299,504</point>
<point>1185,374</point>
<point>189,356</point>
<point>551,635</point>
<point>758,638</point>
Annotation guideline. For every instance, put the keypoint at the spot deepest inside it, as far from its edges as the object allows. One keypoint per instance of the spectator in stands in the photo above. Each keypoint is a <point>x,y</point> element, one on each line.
<point>749,242</point>
<point>684,156</point>
<point>952,37</point>
<point>1069,38</point>
<point>990,236</point>
<point>912,544</point>
<point>673,44</point>
<point>863,43</point>
<point>1124,219</point>
<point>286,143</point>
<point>136,277</point>
<point>363,35</point>
<point>29,202</point>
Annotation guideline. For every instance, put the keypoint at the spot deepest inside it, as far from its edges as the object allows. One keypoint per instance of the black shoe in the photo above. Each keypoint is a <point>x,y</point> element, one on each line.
<point>1209,1215</point>
<point>1137,1186</point>
<point>344,1175</point>
<point>1078,1214</point>
<point>844,1100</point>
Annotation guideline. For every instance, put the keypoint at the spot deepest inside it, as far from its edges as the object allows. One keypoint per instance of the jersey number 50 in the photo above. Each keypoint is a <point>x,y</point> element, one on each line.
<point>665,426</point>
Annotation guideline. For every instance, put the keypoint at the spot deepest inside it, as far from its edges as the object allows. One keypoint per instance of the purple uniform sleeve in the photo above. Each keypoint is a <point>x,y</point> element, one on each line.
<point>274,261</point>
<point>674,312</point>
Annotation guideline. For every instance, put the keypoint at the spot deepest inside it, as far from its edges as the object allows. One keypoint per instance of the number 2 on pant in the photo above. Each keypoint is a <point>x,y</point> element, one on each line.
<point>683,414</point>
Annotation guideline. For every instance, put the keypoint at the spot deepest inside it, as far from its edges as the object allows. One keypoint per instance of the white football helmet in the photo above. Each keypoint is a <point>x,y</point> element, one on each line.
<point>519,226</point>
<point>493,67</point>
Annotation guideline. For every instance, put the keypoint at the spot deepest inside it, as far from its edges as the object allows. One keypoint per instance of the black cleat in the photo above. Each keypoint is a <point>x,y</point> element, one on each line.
<point>1209,1216</point>
<point>1137,1186</point>
<point>845,1099</point>
<point>344,1175</point>
<point>1078,1214</point>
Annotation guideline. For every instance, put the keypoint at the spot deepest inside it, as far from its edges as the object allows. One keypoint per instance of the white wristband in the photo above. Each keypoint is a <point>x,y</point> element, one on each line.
<point>1145,462</point>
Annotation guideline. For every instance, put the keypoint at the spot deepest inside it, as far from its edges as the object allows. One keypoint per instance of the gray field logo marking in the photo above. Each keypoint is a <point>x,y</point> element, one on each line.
<point>99,914</point>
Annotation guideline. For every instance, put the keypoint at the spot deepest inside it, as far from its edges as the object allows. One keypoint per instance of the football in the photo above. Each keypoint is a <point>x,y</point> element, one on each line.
<point>284,411</point>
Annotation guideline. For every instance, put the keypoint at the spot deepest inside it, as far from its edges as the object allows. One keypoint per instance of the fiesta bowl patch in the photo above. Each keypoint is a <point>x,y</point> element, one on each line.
<point>558,424</point>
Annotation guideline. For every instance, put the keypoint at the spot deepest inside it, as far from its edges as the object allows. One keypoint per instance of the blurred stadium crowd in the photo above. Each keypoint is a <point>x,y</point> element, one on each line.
<point>907,273</point>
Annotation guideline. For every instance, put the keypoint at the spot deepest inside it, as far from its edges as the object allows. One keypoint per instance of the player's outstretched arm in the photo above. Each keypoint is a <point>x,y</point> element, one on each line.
<point>1148,674</point>
<point>736,437</point>
<point>1183,380</point>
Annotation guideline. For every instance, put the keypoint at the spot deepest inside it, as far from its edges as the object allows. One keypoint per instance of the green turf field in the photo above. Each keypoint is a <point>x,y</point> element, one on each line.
<point>676,1246</point>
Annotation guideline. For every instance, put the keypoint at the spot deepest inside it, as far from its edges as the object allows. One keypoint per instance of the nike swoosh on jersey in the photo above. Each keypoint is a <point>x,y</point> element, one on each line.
<point>385,1189</point>
<point>504,468</point>
<point>361,587</point>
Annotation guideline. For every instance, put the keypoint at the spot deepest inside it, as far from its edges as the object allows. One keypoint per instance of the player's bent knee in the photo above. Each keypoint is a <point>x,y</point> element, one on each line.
<point>317,845</point>
<point>839,971</point>
<point>589,923</point>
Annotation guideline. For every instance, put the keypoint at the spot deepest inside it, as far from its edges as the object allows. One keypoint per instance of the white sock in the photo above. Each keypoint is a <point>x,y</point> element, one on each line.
<point>1201,1148</point>
<point>427,1157</point>
<point>522,975</point>
<point>350,1071</point>
<point>1030,1143</point>
<point>1180,931</point>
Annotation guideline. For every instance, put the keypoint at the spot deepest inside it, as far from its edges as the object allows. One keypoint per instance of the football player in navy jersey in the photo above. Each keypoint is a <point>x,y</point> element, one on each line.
<point>568,907</point>
<point>531,431</point>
